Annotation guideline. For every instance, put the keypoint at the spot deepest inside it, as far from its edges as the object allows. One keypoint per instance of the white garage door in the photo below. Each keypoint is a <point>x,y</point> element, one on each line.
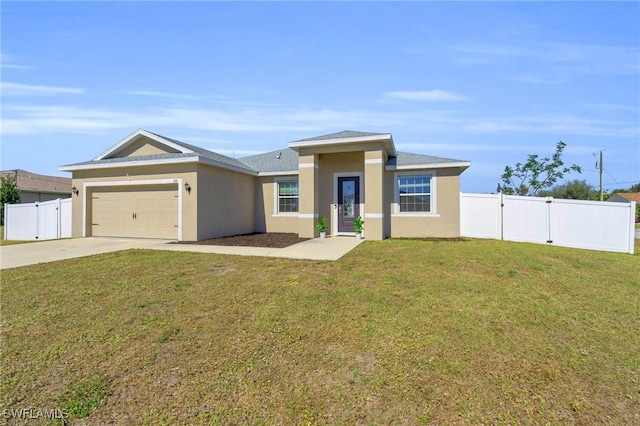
<point>149,211</point>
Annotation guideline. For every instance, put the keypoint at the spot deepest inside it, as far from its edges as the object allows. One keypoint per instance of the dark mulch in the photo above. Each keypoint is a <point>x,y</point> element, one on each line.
<point>269,239</point>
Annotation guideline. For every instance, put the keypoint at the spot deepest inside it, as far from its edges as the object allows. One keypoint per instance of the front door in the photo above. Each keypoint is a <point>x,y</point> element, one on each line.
<point>348,202</point>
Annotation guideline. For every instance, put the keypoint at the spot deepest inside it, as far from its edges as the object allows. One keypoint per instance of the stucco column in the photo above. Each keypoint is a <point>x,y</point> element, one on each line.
<point>309,194</point>
<point>374,194</point>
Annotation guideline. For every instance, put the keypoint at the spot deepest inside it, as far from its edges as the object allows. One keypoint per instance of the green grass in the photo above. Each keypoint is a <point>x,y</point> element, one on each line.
<point>79,400</point>
<point>4,242</point>
<point>397,332</point>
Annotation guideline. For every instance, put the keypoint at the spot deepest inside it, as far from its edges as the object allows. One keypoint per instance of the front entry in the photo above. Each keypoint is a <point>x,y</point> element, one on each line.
<point>348,202</point>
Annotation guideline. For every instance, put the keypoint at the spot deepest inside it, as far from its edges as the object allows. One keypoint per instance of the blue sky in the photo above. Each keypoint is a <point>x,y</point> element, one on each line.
<point>484,82</point>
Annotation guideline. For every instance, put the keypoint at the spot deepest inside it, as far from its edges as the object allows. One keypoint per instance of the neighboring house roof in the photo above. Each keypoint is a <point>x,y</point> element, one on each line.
<point>33,182</point>
<point>284,161</point>
<point>625,197</point>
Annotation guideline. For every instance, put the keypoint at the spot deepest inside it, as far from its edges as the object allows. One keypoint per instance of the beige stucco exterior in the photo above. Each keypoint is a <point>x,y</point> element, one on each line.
<point>266,216</point>
<point>214,200</point>
<point>224,202</point>
<point>88,181</point>
<point>444,223</point>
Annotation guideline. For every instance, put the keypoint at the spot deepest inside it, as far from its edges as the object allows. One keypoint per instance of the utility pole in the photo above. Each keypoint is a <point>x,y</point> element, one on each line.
<point>600,167</point>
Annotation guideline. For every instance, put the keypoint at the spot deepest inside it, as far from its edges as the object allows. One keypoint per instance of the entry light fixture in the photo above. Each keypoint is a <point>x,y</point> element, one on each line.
<point>75,190</point>
<point>187,187</point>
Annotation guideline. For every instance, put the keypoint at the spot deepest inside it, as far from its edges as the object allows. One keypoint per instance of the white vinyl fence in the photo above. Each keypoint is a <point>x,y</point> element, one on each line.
<point>593,225</point>
<point>45,220</point>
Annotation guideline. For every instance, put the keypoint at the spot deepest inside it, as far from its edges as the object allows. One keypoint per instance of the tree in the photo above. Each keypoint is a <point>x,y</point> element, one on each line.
<point>635,187</point>
<point>572,190</point>
<point>536,174</point>
<point>9,193</point>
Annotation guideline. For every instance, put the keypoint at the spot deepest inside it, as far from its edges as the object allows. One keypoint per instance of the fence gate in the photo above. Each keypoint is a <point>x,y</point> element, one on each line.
<point>593,225</point>
<point>46,220</point>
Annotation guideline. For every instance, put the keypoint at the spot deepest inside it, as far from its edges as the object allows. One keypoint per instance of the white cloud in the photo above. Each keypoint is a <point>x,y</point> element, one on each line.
<point>39,119</point>
<point>169,95</point>
<point>46,119</point>
<point>560,125</point>
<point>577,58</point>
<point>533,79</point>
<point>8,62</point>
<point>460,147</point>
<point>614,108</point>
<point>427,95</point>
<point>19,89</point>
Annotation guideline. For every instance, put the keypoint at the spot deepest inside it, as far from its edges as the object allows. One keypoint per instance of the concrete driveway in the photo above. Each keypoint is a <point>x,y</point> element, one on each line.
<point>13,256</point>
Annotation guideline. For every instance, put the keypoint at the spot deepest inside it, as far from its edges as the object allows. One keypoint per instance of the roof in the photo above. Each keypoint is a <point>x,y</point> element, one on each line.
<point>206,153</point>
<point>407,160</point>
<point>284,161</point>
<point>347,137</point>
<point>629,196</point>
<point>187,153</point>
<point>345,134</point>
<point>33,182</point>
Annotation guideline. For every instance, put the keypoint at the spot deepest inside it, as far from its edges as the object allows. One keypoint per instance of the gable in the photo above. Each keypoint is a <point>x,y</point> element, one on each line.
<point>142,143</point>
<point>143,146</point>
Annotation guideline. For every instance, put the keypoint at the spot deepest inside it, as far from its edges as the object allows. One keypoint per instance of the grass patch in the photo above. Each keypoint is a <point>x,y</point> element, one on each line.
<point>396,332</point>
<point>81,399</point>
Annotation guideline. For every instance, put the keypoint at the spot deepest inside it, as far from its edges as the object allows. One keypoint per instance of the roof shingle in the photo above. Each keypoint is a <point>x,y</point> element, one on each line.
<point>34,182</point>
<point>284,160</point>
<point>341,135</point>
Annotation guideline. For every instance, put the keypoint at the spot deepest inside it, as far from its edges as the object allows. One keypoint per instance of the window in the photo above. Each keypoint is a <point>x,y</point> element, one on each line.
<point>287,196</point>
<point>414,194</point>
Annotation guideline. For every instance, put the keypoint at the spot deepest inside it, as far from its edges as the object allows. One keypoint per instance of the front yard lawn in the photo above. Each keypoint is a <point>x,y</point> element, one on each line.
<point>396,332</point>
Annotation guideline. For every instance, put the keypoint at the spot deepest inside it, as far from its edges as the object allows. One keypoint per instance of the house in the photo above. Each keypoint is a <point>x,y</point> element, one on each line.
<point>148,185</point>
<point>34,187</point>
<point>625,197</point>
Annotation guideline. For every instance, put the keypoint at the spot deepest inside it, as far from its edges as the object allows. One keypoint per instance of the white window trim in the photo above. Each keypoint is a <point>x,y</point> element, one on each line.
<point>276,203</point>
<point>396,196</point>
<point>334,206</point>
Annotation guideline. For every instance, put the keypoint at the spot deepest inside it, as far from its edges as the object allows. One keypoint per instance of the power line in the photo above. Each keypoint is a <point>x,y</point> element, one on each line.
<point>619,184</point>
<point>614,179</point>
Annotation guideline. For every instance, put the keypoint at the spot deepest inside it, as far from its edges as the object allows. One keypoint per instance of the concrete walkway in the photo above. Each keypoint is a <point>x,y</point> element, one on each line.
<point>13,256</point>
<point>330,248</point>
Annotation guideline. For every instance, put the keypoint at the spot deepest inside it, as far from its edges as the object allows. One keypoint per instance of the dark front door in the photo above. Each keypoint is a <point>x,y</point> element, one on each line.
<point>348,202</point>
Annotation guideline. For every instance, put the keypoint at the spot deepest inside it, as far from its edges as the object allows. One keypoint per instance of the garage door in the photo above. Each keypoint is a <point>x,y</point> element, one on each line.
<point>149,211</point>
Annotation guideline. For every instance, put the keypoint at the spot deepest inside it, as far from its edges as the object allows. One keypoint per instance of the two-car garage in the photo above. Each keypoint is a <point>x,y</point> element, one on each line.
<point>135,211</point>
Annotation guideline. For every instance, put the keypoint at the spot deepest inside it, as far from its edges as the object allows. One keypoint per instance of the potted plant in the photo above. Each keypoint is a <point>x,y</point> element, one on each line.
<point>358,227</point>
<point>321,225</point>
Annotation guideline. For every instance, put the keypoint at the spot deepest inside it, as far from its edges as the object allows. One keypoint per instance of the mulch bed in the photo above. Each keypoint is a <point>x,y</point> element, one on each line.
<point>269,239</point>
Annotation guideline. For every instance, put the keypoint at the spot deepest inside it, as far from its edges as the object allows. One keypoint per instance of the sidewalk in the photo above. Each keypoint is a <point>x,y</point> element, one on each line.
<point>330,248</point>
